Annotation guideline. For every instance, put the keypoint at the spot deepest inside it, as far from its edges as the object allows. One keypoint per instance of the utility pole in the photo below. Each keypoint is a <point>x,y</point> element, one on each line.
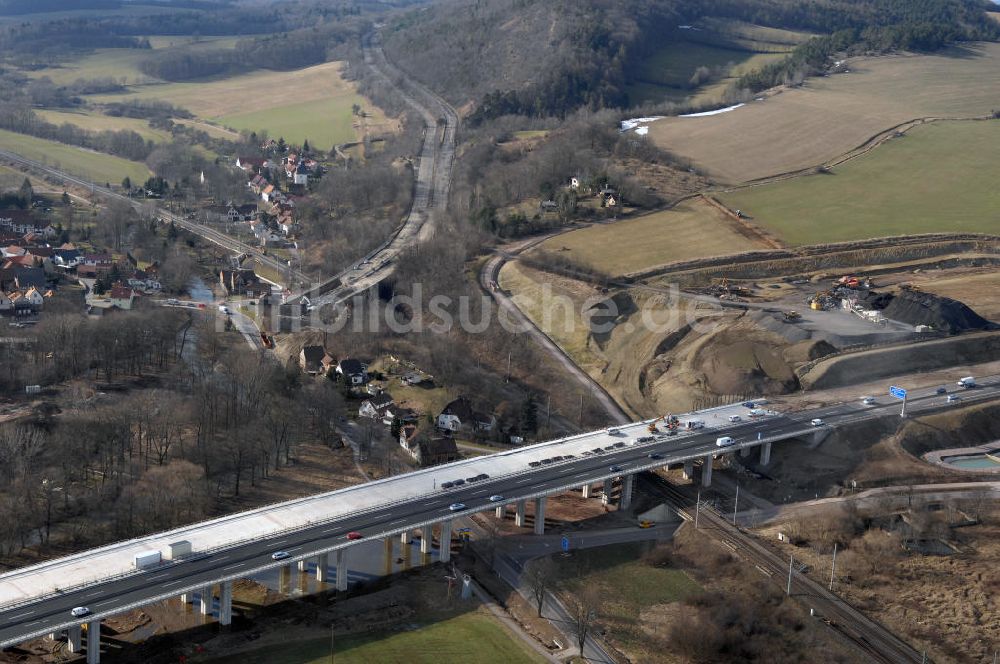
<point>736,503</point>
<point>697,510</point>
<point>902,413</point>
<point>788,588</point>
<point>833,568</point>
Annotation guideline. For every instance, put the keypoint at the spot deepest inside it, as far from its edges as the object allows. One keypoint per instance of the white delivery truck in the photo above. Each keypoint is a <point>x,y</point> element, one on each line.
<point>147,559</point>
<point>967,382</point>
<point>725,441</point>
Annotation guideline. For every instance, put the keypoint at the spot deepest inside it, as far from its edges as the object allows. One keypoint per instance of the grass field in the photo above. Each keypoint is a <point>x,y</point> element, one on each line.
<point>313,103</point>
<point>94,166</point>
<point>830,116</point>
<point>93,121</point>
<point>630,587</point>
<point>939,177</point>
<point>10,178</point>
<point>470,637</point>
<point>736,47</point>
<point>122,64</point>
<point>693,229</point>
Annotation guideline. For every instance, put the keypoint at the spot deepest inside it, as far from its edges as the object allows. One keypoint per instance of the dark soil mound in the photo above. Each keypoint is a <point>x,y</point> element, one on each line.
<point>940,313</point>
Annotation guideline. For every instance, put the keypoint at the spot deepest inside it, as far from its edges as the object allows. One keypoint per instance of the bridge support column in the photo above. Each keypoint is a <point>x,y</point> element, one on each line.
<point>444,546</point>
<point>706,471</point>
<point>205,601</point>
<point>688,472</point>
<point>519,514</point>
<point>387,555</point>
<point>585,491</point>
<point>404,537</point>
<point>94,642</point>
<point>745,452</point>
<point>303,565</point>
<point>185,598</point>
<point>341,570</point>
<point>765,454</point>
<point>226,603</point>
<point>606,494</point>
<point>628,483</point>
<point>540,515</point>
<point>322,562</point>
<point>74,638</point>
<point>501,512</point>
<point>426,536</point>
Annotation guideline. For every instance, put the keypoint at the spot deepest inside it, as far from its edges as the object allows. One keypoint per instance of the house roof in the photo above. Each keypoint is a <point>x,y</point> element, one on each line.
<point>313,354</point>
<point>350,366</point>
<point>381,400</point>
<point>121,293</point>
<point>438,447</point>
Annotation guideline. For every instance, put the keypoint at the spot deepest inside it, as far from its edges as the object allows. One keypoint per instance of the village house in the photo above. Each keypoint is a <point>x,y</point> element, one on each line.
<point>6,306</point>
<point>23,222</point>
<point>376,406</point>
<point>311,359</point>
<point>397,412</point>
<point>243,283</point>
<point>143,281</point>
<point>352,371</point>
<point>122,297</point>
<point>251,164</point>
<point>459,415</point>
<point>427,450</point>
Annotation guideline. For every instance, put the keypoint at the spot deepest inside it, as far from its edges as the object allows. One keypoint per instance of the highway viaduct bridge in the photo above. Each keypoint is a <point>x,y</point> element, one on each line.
<point>37,600</point>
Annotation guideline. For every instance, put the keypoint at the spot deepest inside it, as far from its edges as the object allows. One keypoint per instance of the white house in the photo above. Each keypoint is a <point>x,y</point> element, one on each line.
<point>353,371</point>
<point>376,406</point>
<point>459,414</point>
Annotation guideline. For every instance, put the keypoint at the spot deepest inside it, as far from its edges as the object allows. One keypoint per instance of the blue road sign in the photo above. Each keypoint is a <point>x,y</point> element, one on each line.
<point>897,392</point>
<point>565,543</point>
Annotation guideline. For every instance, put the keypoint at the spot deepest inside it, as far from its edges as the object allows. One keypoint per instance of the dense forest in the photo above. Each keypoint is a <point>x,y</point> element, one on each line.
<point>542,58</point>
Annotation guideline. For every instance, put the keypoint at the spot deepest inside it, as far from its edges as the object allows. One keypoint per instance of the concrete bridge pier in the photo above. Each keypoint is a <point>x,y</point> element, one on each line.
<point>540,515</point>
<point>501,512</point>
<point>404,537</point>
<point>205,601</point>
<point>765,454</point>
<point>585,490</point>
<point>628,483</point>
<point>426,537</point>
<point>688,472</point>
<point>606,493</point>
<point>519,514</point>
<point>745,452</point>
<point>706,471</point>
<point>94,642</point>
<point>74,638</point>
<point>185,599</point>
<point>444,547</point>
<point>342,570</point>
<point>303,565</point>
<point>322,563</point>
<point>226,603</point>
<point>387,555</point>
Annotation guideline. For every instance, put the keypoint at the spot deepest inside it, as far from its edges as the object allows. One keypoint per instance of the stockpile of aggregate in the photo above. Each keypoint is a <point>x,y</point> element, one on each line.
<point>940,313</point>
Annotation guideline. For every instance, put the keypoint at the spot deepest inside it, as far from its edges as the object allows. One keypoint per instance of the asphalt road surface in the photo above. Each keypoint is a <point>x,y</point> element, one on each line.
<point>50,613</point>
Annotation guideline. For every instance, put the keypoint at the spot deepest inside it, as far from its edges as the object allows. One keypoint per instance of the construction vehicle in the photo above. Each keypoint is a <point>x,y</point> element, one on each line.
<point>792,316</point>
<point>266,340</point>
<point>671,422</point>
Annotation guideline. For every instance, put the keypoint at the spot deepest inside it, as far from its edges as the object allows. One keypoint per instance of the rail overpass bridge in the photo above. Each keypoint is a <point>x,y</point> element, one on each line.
<point>37,600</point>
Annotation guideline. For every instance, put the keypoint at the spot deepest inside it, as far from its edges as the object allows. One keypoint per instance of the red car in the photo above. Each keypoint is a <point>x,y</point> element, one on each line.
<point>354,535</point>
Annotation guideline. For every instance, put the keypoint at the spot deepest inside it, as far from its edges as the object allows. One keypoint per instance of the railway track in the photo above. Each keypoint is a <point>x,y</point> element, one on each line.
<point>877,642</point>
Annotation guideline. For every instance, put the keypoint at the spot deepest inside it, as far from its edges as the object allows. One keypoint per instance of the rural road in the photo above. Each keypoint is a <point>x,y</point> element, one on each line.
<point>489,276</point>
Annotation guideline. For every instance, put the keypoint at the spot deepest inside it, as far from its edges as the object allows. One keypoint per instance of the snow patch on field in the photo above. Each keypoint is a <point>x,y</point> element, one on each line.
<point>717,111</point>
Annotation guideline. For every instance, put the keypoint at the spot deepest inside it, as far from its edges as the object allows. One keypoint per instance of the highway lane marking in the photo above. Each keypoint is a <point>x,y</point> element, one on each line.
<point>159,576</point>
<point>232,566</point>
<point>173,583</point>
<point>104,602</point>
<point>32,623</point>
<point>22,615</point>
<point>331,530</point>
<point>294,549</point>
<point>221,558</point>
<point>98,593</point>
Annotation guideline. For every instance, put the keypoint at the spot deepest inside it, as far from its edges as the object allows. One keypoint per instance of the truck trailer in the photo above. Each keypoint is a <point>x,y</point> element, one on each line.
<point>146,559</point>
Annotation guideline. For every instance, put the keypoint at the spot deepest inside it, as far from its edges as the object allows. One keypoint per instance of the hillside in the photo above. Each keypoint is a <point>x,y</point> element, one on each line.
<point>550,57</point>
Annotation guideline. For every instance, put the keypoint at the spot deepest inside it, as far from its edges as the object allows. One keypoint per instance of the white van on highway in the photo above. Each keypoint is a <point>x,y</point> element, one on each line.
<point>725,441</point>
